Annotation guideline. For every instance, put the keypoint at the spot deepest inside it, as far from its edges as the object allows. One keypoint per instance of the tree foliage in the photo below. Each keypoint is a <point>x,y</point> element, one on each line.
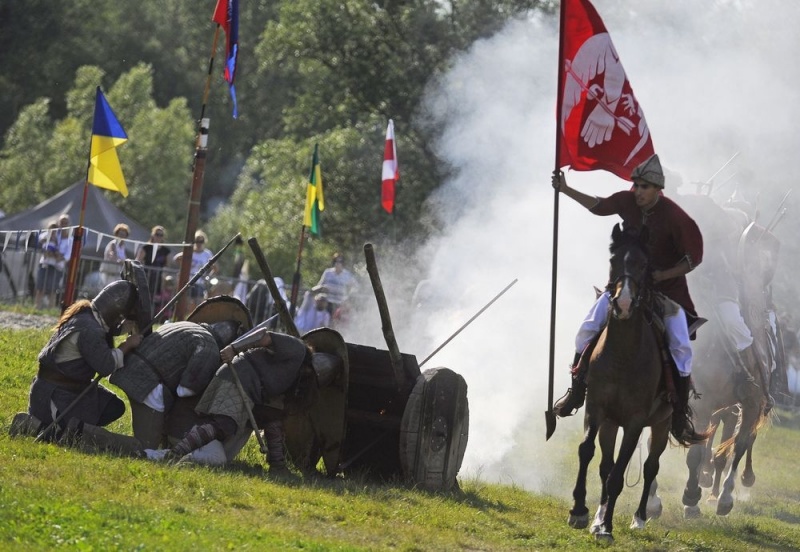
<point>310,71</point>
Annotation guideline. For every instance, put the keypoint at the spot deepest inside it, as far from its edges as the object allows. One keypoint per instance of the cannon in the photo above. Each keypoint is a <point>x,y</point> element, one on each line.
<point>380,415</point>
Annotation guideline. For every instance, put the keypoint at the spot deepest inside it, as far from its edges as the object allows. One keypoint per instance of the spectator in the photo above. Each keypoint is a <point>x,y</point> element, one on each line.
<point>338,283</point>
<point>154,257</point>
<point>47,274</point>
<point>115,254</point>
<point>64,242</point>
<point>313,313</point>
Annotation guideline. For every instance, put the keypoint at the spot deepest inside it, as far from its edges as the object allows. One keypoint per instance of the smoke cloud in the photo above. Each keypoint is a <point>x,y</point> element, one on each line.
<point>713,78</point>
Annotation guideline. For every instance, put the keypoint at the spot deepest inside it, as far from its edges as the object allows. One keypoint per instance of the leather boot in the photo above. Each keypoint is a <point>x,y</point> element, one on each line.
<point>575,395</point>
<point>25,424</point>
<point>682,425</point>
<point>749,360</point>
<point>94,438</point>
<point>276,448</point>
<point>148,425</point>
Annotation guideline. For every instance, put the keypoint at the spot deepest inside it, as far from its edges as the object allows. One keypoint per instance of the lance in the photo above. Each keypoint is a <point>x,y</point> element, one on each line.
<point>200,273</point>
<point>468,322</point>
<point>780,211</point>
<point>710,182</point>
<point>198,170</point>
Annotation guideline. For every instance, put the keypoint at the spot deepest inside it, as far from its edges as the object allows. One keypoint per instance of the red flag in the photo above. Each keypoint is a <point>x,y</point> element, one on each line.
<point>226,14</point>
<point>391,171</point>
<point>601,125</point>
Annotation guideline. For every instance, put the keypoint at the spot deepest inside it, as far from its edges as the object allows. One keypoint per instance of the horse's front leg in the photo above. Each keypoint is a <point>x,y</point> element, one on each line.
<point>616,480</point>
<point>695,459</point>
<point>608,438</point>
<point>658,442</point>
<point>579,515</point>
<point>730,419</point>
<point>745,435</point>
<point>725,501</point>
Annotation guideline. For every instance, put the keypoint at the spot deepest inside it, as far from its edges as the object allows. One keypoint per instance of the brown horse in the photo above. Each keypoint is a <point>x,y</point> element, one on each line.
<point>626,389</point>
<point>735,400</point>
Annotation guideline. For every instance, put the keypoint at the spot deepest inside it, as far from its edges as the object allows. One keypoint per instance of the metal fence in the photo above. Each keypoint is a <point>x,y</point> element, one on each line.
<point>19,269</point>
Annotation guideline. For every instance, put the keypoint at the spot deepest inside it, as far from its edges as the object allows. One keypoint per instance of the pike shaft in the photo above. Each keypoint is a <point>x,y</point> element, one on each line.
<point>468,322</point>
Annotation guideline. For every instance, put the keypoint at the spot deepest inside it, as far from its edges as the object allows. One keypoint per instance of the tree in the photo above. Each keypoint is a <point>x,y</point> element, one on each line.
<point>41,157</point>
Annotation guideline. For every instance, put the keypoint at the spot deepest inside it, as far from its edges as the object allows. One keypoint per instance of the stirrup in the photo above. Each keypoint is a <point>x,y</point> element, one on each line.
<point>568,400</point>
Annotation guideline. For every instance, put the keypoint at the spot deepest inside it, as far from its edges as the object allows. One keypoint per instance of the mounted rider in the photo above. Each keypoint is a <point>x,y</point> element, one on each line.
<point>735,281</point>
<point>676,248</point>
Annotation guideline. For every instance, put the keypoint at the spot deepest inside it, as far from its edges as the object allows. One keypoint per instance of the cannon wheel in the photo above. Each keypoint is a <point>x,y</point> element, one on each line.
<point>434,430</point>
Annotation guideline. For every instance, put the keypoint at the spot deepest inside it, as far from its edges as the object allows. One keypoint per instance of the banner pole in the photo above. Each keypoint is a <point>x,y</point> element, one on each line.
<point>550,417</point>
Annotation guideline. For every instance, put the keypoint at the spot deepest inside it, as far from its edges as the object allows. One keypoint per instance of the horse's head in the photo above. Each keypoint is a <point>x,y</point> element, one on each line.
<point>628,271</point>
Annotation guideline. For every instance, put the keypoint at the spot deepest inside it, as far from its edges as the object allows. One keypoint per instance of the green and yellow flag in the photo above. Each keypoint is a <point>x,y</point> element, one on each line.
<point>315,201</point>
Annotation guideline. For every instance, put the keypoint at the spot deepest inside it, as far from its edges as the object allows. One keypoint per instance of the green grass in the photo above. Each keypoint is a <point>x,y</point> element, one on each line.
<point>52,497</point>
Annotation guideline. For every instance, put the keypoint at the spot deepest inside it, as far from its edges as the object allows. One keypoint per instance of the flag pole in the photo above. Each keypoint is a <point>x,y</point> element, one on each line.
<point>296,277</point>
<point>549,415</point>
<point>77,238</point>
<point>198,169</point>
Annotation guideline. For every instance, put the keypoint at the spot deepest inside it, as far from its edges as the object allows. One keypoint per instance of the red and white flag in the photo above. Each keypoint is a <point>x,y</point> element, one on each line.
<point>391,171</point>
<point>601,124</point>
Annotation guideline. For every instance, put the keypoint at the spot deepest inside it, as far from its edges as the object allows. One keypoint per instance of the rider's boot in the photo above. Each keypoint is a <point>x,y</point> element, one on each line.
<point>575,395</point>
<point>682,424</point>
<point>749,360</point>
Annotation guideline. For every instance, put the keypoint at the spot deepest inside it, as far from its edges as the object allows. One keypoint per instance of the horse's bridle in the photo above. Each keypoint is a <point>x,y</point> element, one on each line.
<point>639,288</point>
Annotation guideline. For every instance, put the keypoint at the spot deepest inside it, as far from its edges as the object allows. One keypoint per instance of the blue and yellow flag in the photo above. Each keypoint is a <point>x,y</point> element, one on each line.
<point>107,134</point>
<point>315,201</point>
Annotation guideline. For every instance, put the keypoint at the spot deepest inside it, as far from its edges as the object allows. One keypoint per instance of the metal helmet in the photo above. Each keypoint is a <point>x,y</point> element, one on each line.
<point>116,301</point>
<point>225,331</point>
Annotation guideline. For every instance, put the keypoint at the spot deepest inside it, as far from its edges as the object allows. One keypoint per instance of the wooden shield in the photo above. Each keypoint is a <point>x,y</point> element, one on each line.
<point>318,431</point>
<point>434,430</point>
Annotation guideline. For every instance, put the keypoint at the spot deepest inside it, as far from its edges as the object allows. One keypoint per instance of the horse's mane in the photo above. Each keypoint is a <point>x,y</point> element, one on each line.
<point>629,236</point>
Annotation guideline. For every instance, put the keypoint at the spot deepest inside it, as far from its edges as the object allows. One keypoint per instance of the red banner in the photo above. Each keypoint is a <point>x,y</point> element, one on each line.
<point>601,124</point>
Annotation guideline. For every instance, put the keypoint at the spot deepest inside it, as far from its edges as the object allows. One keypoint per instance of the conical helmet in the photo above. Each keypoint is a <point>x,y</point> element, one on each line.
<point>116,301</point>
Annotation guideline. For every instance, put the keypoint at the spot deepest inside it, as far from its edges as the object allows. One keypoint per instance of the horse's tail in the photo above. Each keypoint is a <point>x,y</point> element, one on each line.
<point>725,448</point>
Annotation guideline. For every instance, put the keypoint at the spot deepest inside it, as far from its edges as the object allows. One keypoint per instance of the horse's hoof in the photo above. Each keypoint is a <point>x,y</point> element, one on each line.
<point>724,507</point>
<point>604,537</point>
<point>748,479</point>
<point>638,523</point>
<point>712,499</point>
<point>706,480</point>
<point>579,522</point>
<point>691,498</point>
<point>692,512</point>
<point>654,508</point>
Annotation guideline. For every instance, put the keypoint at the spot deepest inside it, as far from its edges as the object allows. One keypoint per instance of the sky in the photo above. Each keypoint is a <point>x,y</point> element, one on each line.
<point>715,79</point>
